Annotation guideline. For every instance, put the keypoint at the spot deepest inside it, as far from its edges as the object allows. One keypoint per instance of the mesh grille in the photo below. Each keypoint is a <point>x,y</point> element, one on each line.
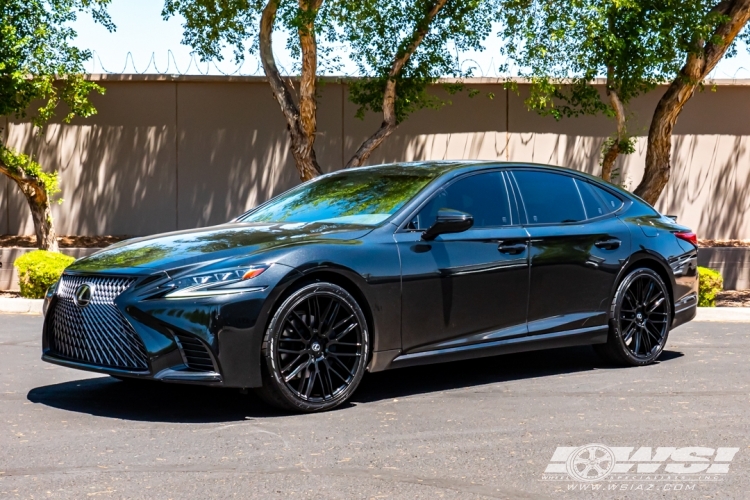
<point>97,334</point>
<point>196,354</point>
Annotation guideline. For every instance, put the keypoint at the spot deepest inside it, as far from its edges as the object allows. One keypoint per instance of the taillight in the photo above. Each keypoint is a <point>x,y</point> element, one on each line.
<point>688,236</point>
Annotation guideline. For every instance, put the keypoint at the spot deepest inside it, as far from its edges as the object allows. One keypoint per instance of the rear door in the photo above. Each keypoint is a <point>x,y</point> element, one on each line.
<point>578,247</point>
<point>470,287</point>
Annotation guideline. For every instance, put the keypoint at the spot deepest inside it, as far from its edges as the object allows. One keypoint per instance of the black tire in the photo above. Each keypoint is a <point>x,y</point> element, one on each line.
<point>641,315</point>
<point>315,350</point>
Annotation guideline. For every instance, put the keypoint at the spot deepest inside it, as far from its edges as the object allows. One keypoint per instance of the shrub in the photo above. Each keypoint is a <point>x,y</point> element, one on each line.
<point>711,283</point>
<point>38,270</point>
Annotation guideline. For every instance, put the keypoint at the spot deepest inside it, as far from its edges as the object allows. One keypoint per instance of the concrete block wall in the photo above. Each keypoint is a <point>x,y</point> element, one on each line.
<point>167,153</point>
<point>732,263</point>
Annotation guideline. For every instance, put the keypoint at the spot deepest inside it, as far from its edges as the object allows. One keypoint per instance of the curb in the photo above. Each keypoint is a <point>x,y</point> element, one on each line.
<point>21,306</point>
<point>723,314</point>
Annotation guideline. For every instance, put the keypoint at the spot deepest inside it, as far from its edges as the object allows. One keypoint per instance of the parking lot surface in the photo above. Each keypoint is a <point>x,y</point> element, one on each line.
<point>480,429</point>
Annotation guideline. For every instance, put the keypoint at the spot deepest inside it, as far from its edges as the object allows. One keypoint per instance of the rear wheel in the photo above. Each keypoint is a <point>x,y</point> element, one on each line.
<point>315,350</point>
<point>641,314</point>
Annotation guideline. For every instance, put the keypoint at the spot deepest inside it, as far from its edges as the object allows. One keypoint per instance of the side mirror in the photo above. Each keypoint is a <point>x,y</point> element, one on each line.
<point>448,221</point>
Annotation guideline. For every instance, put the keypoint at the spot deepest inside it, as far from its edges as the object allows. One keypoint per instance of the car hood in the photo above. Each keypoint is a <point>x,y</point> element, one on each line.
<point>207,245</point>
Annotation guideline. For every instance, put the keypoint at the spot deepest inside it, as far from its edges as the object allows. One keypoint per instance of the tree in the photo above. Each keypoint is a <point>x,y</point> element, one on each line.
<point>566,45</point>
<point>38,63</point>
<point>636,44</point>
<point>714,37</point>
<point>301,120</point>
<point>248,25</point>
<point>401,46</point>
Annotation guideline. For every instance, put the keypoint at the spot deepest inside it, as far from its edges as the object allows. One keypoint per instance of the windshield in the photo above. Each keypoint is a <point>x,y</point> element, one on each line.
<point>364,196</point>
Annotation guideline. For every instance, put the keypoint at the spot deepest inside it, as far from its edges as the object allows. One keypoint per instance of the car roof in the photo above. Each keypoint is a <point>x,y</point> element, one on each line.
<point>457,167</point>
<point>446,166</point>
<point>468,165</point>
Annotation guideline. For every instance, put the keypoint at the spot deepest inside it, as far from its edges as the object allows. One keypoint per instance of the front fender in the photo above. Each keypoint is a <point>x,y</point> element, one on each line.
<point>370,271</point>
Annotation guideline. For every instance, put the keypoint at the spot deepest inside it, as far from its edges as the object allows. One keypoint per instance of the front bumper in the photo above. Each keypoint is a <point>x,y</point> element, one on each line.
<point>175,374</point>
<point>211,340</point>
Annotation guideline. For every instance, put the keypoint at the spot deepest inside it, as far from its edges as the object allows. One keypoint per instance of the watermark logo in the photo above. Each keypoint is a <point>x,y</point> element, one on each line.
<point>597,466</point>
<point>592,462</point>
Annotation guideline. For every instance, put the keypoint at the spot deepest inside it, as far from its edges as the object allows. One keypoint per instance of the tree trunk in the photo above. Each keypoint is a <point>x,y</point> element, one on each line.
<point>308,81</point>
<point>402,57</point>
<point>698,65</point>
<point>41,212</point>
<point>609,156</point>
<point>387,127</point>
<point>302,126</point>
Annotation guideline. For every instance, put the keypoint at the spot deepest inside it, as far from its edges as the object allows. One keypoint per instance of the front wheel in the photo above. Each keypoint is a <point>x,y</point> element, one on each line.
<point>316,349</point>
<point>641,314</point>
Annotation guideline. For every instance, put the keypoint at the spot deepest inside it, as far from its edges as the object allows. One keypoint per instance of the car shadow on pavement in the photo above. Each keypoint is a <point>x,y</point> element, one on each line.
<point>145,400</point>
<point>160,402</point>
<point>483,371</point>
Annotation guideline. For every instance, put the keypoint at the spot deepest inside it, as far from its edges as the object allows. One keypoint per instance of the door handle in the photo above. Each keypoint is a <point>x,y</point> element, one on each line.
<point>610,244</point>
<point>512,249</point>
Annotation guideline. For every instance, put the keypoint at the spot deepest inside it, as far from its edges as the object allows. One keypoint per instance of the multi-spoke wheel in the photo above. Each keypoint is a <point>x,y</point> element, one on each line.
<point>316,349</point>
<point>641,315</point>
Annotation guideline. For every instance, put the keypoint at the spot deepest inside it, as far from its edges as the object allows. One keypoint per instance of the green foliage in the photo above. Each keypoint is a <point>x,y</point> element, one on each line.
<point>38,60</point>
<point>372,32</point>
<point>23,165</point>
<point>626,146</point>
<point>711,283</point>
<point>209,26</point>
<point>376,32</point>
<point>38,63</point>
<point>38,270</point>
<point>562,45</point>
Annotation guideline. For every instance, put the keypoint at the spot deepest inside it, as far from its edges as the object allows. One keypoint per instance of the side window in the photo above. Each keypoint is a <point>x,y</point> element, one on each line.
<point>611,201</point>
<point>592,203</point>
<point>484,196</point>
<point>549,198</point>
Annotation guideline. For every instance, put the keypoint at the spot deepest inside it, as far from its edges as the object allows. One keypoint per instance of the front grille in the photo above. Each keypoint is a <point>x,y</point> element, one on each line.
<point>195,354</point>
<point>97,334</point>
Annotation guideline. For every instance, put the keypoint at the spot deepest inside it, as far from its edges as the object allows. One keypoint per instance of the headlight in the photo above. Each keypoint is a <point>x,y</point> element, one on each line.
<point>216,283</point>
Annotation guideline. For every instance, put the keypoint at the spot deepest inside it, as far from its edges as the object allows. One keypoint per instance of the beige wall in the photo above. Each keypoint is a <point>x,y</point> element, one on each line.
<point>166,153</point>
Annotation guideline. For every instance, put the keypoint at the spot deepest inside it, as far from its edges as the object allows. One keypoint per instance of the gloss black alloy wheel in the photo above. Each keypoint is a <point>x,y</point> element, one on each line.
<point>641,316</point>
<point>316,349</point>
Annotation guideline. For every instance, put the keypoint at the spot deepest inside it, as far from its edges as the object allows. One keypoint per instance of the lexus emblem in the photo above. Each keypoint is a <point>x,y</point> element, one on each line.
<point>83,294</point>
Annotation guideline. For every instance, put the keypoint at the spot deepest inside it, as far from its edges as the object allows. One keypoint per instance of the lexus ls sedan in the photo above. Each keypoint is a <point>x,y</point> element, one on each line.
<point>377,268</point>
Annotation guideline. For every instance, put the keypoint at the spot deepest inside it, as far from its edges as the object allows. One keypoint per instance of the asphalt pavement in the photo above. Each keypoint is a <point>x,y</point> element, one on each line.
<point>488,428</point>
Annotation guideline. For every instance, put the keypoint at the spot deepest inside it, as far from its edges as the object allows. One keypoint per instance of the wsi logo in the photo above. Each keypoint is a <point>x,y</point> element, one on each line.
<point>597,462</point>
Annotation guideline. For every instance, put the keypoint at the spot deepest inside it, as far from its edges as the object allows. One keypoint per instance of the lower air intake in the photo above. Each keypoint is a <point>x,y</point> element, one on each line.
<point>195,353</point>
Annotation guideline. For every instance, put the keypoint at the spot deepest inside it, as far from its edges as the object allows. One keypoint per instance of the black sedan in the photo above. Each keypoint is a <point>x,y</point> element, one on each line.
<point>378,268</point>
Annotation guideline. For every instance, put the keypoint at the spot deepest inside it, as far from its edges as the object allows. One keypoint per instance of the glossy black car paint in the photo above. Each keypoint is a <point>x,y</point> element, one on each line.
<point>476,293</point>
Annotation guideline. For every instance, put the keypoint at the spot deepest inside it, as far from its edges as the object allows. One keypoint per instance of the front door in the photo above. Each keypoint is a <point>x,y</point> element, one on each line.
<point>469,287</point>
